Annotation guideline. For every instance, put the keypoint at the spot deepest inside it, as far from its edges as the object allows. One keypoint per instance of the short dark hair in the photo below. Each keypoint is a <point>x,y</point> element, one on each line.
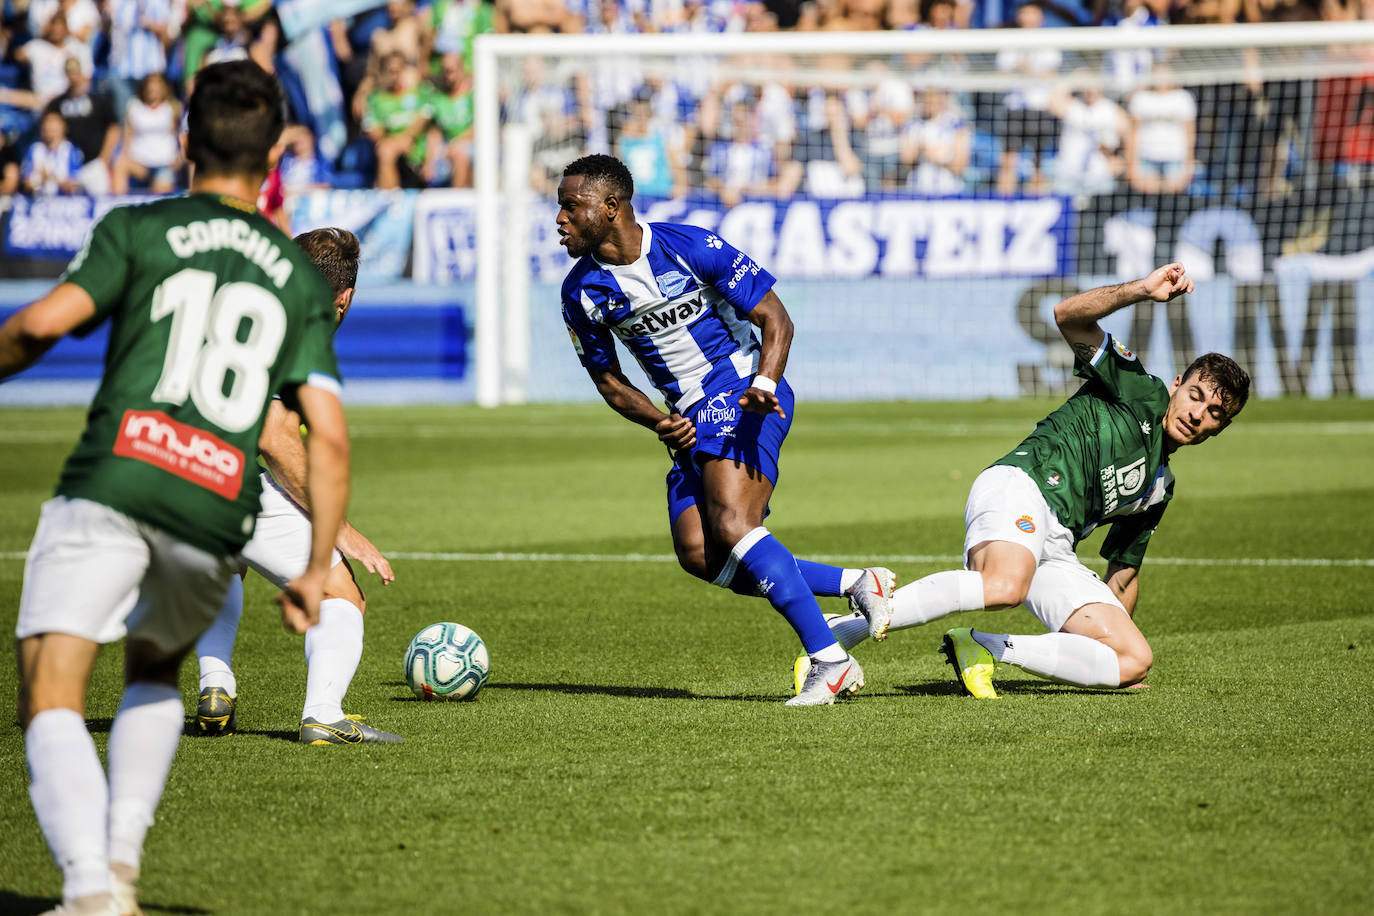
<point>1231,381</point>
<point>234,117</point>
<point>606,170</point>
<point>335,253</point>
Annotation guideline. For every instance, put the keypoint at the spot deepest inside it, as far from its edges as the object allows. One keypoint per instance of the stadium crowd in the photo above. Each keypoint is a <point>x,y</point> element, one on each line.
<point>91,94</point>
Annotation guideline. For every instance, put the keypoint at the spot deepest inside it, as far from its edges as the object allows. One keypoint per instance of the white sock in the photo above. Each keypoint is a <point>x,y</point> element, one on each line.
<point>143,741</point>
<point>333,648</point>
<point>1065,657</point>
<point>215,648</point>
<point>849,577</point>
<point>937,595</point>
<point>831,653</point>
<point>850,630</point>
<point>70,797</point>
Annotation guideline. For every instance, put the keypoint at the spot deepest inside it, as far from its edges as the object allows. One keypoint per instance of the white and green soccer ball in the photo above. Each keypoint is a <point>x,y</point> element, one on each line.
<point>447,661</point>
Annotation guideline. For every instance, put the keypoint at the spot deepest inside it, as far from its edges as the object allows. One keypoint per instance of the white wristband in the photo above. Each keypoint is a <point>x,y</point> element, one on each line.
<point>764,383</point>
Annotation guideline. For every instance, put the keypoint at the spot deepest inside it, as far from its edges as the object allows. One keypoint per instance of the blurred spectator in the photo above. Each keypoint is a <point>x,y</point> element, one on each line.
<point>402,37</point>
<point>9,166</point>
<point>853,15</point>
<point>548,109</point>
<point>91,125</point>
<point>52,162</point>
<point>743,165</point>
<point>1127,69</point>
<point>453,24</point>
<point>140,32</point>
<point>652,152</point>
<point>539,16</point>
<point>152,151</point>
<point>204,27</point>
<point>937,147</point>
<point>1159,149</point>
<point>394,121</point>
<point>902,15</point>
<point>301,168</point>
<point>1093,129</point>
<point>874,138</point>
<point>47,56</point>
<point>1028,122</point>
<point>448,141</point>
<point>83,18</point>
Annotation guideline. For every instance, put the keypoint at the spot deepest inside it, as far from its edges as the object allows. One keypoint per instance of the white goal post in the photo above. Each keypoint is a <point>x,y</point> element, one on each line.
<point>835,279</point>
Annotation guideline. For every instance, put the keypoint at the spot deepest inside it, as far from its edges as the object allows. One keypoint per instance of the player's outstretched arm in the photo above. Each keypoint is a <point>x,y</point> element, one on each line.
<point>327,481</point>
<point>1078,315</point>
<point>673,429</point>
<point>775,325</point>
<point>1124,581</point>
<point>32,331</point>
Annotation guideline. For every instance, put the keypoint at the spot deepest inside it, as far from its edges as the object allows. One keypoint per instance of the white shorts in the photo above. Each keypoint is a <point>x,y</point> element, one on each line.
<point>279,550</point>
<point>1004,504</point>
<point>93,572</point>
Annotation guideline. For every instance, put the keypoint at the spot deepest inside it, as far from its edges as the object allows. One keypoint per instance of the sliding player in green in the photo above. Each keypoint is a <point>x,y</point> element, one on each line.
<point>1100,459</point>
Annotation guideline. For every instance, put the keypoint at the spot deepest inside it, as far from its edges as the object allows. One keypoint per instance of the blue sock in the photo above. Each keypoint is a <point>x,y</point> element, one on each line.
<point>777,577</point>
<point>824,581</point>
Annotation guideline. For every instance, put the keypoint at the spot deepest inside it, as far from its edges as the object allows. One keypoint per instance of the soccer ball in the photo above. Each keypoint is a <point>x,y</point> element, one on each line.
<point>447,661</point>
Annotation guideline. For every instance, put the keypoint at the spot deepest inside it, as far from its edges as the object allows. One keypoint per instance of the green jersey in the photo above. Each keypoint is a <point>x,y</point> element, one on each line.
<point>452,115</point>
<point>395,113</point>
<point>1100,457</point>
<point>212,311</point>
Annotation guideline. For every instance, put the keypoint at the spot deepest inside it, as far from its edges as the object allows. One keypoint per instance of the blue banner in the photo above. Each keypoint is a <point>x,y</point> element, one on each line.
<point>384,222</point>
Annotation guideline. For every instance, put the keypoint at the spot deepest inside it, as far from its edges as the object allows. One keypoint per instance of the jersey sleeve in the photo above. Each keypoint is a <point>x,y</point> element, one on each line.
<point>717,263</point>
<point>1127,539</point>
<point>593,343</point>
<point>1119,371</point>
<point>101,267</point>
<point>313,362</point>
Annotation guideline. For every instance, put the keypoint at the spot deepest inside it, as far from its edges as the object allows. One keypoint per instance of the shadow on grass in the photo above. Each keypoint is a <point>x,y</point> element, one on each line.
<point>1021,687</point>
<point>642,693</point>
<point>189,730</point>
<point>22,905</point>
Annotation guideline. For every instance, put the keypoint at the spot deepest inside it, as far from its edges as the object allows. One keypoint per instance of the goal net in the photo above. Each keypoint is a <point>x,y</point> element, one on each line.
<point>924,198</point>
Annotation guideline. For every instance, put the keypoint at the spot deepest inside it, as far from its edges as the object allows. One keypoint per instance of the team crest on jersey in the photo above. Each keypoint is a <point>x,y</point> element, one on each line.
<point>1053,480</point>
<point>720,409</point>
<point>1121,349</point>
<point>576,341</point>
<point>1026,524</point>
<point>191,454</point>
<point>672,283</point>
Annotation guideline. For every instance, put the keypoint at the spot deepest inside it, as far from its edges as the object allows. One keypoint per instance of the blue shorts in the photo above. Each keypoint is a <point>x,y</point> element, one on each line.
<point>726,430</point>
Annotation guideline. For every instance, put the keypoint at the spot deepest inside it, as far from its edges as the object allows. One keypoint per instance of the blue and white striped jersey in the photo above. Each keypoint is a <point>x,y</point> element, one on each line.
<point>680,309</point>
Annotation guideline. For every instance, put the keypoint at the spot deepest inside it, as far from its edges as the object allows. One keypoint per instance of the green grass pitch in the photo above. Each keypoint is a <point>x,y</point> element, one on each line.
<point>631,752</point>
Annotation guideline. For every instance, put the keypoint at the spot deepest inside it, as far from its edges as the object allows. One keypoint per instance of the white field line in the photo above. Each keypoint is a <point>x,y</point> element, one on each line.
<point>554,429</point>
<point>534,557</point>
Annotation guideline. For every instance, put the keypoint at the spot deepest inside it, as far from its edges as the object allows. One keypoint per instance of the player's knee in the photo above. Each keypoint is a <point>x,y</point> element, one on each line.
<point>692,559</point>
<point>1135,663</point>
<point>1001,590</point>
<point>729,525</point>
